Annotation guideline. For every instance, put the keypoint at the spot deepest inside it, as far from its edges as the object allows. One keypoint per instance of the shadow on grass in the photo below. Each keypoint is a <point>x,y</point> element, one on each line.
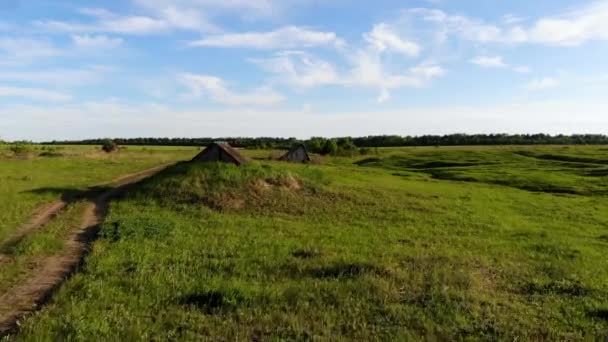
<point>305,253</point>
<point>597,173</point>
<point>554,157</point>
<point>564,287</point>
<point>70,194</point>
<point>599,314</point>
<point>338,270</point>
<point>213,301</point>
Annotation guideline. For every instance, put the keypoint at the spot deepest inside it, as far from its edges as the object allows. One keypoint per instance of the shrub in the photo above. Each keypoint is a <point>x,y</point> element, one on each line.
<point>365,151</point>
<point>20,148</point>
<point>109,145</point>
<point>330,147</point>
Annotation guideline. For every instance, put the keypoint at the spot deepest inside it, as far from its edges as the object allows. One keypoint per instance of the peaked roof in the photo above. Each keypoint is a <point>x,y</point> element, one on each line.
<point>221,151</point>
<point>294,155</point>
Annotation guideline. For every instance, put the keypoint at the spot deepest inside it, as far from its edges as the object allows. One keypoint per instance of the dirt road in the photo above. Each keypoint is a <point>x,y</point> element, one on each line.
<point>29,295</point>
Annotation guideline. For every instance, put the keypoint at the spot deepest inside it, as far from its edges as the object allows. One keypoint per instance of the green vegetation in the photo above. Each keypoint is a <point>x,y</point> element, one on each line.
<point>108,145</point>
<point>316,143</point>
<point>418,243</point>
<point>47,173</point>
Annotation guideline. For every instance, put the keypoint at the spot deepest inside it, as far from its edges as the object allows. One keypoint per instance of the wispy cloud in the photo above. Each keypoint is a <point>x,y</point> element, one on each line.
<point>62,77</point>
<point>576,27</point>
<point>299,69</point>
<point>383,38</point>
<point>165,20</point>
<point>34,94</point>
<point>365,69</point>
<point>246,9</point>
<point>543,84</point>
<point>498,62</point>
<point>217,90</point>
<point>283,38</point>
<point>96,42</point>
<point>28,48</point>
<point>489,62</point>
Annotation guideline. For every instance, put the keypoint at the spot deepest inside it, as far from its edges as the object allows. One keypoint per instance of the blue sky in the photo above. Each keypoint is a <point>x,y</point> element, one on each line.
<point>128,68</point>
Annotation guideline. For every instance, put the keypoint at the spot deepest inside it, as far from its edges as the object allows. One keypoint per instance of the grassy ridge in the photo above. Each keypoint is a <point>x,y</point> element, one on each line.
<point>457,243</point>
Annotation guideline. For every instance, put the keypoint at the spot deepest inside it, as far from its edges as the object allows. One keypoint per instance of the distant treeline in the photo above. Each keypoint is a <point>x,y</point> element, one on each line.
<point>369,141</point>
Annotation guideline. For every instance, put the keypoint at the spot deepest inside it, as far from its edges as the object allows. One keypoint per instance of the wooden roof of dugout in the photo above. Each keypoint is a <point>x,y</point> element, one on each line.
<point>297,153</point>
<point>220,152</point>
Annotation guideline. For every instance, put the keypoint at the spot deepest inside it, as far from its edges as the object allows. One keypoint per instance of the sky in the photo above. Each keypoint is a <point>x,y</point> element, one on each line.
<point>74,69</point>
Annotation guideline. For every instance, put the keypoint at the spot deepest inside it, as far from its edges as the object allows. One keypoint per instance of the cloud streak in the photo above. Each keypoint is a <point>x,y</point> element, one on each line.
<point>589,23</point>
<point>542,84</point>
<point>217,90</point>
<point>34,94</point>
<point>283,38</point>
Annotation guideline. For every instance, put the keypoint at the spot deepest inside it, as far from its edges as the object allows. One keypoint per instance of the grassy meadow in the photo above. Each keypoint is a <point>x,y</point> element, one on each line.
<point>450,243</point>
<point>44,173</point>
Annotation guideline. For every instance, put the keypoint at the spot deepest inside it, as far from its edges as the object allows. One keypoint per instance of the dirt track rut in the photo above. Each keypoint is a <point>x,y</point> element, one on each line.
<point>29,295</point>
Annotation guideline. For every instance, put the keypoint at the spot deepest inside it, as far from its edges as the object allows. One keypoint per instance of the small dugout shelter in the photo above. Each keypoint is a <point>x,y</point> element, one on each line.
<point>297,154</point>
<point>220,152</point>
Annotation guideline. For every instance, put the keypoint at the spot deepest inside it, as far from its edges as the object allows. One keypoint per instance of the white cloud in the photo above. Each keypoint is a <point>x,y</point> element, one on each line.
<point>542,84</point>
<point>428,71</point>
<point>283,38</point>
<point>465,27</point>
<point>498,62</point>
<point>382,37</point>
<point>247,9</point>
<point>588,23</point>
<point>164,20</point>
<point>97,42</point>
<point>365,69</point>
<point>300,69</point>
<point>489,62</point>
<point>57,77</point>
<point>574,28</point>
<point>369,71</point>
<point>33,94</point>
<point>28,48</point>
<point>217,89</point>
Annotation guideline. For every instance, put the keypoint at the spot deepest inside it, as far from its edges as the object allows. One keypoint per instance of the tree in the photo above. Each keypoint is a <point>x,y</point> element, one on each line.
<point>330,147</point>
<point>108,145</point>
<point>346,146</point>
<point>315,144</point>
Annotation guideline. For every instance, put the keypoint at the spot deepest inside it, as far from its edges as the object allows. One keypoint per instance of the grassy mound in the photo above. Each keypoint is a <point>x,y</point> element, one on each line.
<point>228,188</point>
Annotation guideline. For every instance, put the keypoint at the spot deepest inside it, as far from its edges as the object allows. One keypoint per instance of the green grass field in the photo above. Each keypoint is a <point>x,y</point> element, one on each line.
<point>462,243</point>
<point>45,174</point>
<point>40,176</point>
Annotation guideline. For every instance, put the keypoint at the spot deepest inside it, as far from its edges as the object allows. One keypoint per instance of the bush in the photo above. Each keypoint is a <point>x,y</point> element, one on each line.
<point>365,151</point>
<point>109,145</point>
<point>330,147</point>
<point>20,148</point>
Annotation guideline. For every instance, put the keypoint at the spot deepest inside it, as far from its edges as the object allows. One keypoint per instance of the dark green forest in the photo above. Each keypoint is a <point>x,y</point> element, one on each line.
<point>317,144</point>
